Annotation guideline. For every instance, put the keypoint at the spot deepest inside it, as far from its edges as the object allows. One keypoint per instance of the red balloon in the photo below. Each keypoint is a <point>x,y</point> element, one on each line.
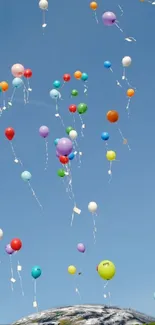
<point>9,133</point>
<point>72,108</point>
<point>16,244</point>
<point>28,73</point>
<point>64,160</point>
<point>66,77</point>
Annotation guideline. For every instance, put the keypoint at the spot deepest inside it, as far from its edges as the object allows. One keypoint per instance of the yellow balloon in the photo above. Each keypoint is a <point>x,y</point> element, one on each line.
<point>111,155</point>
<point>106,270</point>
<point>71,269</point>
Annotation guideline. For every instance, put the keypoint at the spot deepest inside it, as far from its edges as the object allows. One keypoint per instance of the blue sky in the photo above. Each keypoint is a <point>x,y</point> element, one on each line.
<point>126,209</point>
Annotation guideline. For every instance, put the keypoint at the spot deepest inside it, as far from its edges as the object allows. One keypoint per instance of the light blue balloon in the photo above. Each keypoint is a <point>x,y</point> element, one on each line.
<point>17,82</point>
<point>56,141</point>
<point>56,84</point>
<point>105,136</point>
<point>55,94</point>
<point>107,64</point>
<point>71,156</point>
<point>36,272</point>
<point>26,176</point>
<point>84,76</point>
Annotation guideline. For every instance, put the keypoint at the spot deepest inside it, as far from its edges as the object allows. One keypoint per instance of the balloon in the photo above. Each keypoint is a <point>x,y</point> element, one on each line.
<point>107,64</point>
<point>28,73</point>
<point>44,131</point>
<point>64,160</point>
<point>61,173</point>
<point>92,207</point>
<point>9,133</point>
<point>72,269</point>
<point>82,108</point>
<point>71,156</point>
<point>57,154</point>
<point>72,108</point>
<point>84,76</point>
<point>130,93</point>
<point>105,136</point>
<point>36,272</point>
<point>106,270</point>
<point>55,94</point>
<point>109,18</point>
<point>112,116</point>
<point>1,234</point>
<point>93,5</point>
<point>43,4</point>
<point>68,129</point>
<point>77,75</point>
<point>73,134</point>
<point>17,70</point>
<point>66,77</point>
<point>17,82</point>
<point>111,155</point>
<point>16,244</point>
<point>26,176</point>
<point>81,248</point>
<point>9,250</point>
<point>126,61</point>
<point>56,141</point>
<point>74,92</point>
<point>56,84</point>
<point>64,146</point>
<point>4,85</point>
<point>1,89</point>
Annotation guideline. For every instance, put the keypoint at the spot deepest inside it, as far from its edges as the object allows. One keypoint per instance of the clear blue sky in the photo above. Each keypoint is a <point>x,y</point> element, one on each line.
<point>126,214</point>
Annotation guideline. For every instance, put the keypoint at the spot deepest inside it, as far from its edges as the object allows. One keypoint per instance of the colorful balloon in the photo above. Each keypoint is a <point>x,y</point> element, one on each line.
<point>68,129</point>
<point>74,93</point>
<point>107,64</point>
<point>26,176</point>
<point>81,248</point>
<point>72,108</point>
<point>105,136</point>
<point>111,155</point>
<point>64,146</point>
<point>82,108</point>
<point>73,135</point>
<point>1,234</point>
<point>72,269</point>
<point>93,5</point>
<point>84,76</point>
<point>109,18</point>
<point>66,77</point>
<point>130,92</point>
<point>77,75</point>
<point>43,4</point>
<point>61,173</point>
<point>55,94</point>
<point>64,160</point>
<point>17,82</point>
<point>71,156</point>
<point>9,133</point>
<point>92,207</point>
<point>17,70</point>
<point>56,84</point>
<point>44,131</point>
<point>9,250</point>
<point>36,272</point>
<point>126,61</point>
<point>106,270</point>
<point>4,85</point>
<point>56,141</point>
<point>16,244</point>
<point>112,116</point>
<point>28,73</point>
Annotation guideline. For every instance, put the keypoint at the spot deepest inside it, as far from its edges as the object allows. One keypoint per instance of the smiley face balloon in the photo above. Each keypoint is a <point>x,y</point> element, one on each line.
<point>106,270</point>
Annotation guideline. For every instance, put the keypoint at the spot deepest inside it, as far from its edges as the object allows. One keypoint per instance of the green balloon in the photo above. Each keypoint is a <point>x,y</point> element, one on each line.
<point>1,89</point>
<point>82,108</point>
<point>74,92</point>
<point>61,173</point>
<point>69,129</point>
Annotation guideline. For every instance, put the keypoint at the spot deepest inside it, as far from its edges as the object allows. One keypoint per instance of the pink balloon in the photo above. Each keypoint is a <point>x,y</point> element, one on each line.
<point>17,70</point>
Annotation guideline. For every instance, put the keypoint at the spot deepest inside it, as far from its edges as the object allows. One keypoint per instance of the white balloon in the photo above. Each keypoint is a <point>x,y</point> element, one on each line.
<point>1,234</point>
<point>126,61</point>
<point>92,207</point>
<point>73,134</point>
<point>43,4</point>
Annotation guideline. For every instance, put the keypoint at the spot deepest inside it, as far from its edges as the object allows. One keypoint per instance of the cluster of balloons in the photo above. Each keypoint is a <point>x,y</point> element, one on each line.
<point>14,246</point>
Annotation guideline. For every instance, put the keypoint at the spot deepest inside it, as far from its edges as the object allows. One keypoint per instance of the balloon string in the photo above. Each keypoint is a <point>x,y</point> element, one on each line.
<point>14,154</point>
<point>62,122</point>
<point>121,10</point>
<point>110,172</point>
<point>11,269</point>
<point>124,140</point>
<point>123,76</point>
<point>46,162</point>
<point>35,295</point>
<point>82,126</point>
<point>121,30</point>
<point>95,15</point>
<point>4,104</point>
<point>28,84</point>
<point>12,97</point>
<point>20,279</point>
<point>44,19</point>
<point>33,193</point>
<point>25,94</point>
<point>76,288</point>
<point>128,106</point>
<point>94,226</point>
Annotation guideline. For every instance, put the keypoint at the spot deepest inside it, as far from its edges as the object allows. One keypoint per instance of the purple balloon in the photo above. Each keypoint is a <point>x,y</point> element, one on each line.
<point>44,131</point>
<point>8,249</point>
<point>64,147</point>
<point>57,154</point>
<point>81,248</point>
<point>109,18</point>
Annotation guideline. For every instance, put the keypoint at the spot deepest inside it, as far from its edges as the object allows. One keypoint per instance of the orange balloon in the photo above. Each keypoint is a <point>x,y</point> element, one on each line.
<point>130,92</point>
<point>4,85</point>
<point>112,116</point>
<point>78,75</point>
<point>93,5</point>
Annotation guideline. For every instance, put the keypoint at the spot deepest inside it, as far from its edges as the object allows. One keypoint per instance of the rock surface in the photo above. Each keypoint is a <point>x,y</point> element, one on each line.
<point>87,315</point>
